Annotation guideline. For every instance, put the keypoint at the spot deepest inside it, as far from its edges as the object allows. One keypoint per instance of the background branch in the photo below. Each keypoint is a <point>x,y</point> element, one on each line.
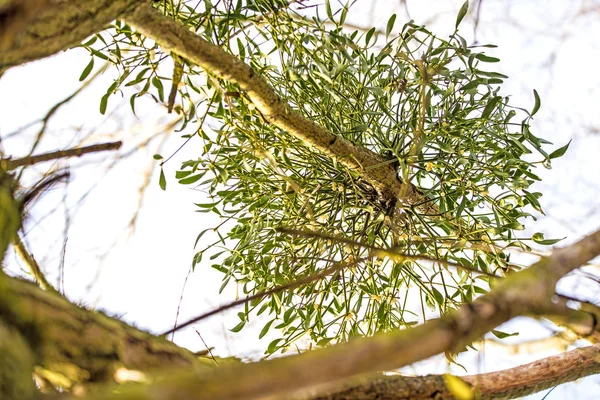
<point>8,164</point>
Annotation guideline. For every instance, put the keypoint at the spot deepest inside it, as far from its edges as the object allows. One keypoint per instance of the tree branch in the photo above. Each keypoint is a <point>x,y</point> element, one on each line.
<point>506,384</point>
<point>7,164</point>
<point>278,289</point>
<point>176,38</point>
<point>519,293</point>
<point>57,26</point>
<point>15,15</point>
<point>84,346</point>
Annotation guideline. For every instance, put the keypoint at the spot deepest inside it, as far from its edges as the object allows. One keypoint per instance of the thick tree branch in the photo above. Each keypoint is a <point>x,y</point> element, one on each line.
<point>520,293</point>
<point>58,25</point>
<point>16,365</point>
<point>506,384</point>
<point>15,15</point>
<point>176,38</point>
<point>84,346</point>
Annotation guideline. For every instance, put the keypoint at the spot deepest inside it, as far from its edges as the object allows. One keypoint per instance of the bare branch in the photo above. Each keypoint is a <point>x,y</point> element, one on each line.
<point>506,384</point>
<point>61,103</point>
<point>292,285</point>
<point>8,164</point>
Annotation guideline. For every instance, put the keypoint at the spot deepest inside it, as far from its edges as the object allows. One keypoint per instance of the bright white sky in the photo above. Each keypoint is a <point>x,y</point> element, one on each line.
<point>544,45</point>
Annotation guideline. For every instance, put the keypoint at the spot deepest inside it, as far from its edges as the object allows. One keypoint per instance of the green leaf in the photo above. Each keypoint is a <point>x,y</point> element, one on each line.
<point>265,329</point>
<point>462,13</point>
<point>162,181</point>
<point>473,84</point>
<point>90,42</point>
<point>207,205</point>
<point>559,152</point>
<point>369,35</point>
<point>390,25</point>
<point>157,157</point>
<point>159,86</point>
<point>537,104</point>
<point>182,174</point>
<point>273,346</point>
<point>328,9</point>
<point>539,239</point>
<point>87,70</point>
<point>132,103</point>
<point>104,103</point>
<point>491,105</point>
<point>484,58</point>
<point>446,148</point>
<point>503,335</point>
<point>191,179</point>
<point>238,327</point>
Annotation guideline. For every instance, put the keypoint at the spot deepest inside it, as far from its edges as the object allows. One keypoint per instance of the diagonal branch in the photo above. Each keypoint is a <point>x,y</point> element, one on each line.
<point>176,38</point>
<point>337,267</point>
<point>524,292</point>
<point>7,164</point>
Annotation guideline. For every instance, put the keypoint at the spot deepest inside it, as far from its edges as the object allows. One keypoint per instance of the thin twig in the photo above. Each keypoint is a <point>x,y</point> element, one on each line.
<point>62,266</point>
<point>40,187</point>
<point>181,301</point>
<point>477,19</point>
<point>61,103</point>
<point>381,252</point>
<point>207,348</point>
<point>292,285</point>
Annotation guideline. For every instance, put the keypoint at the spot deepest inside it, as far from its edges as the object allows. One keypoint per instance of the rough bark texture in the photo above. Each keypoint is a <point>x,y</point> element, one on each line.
<point>82,346</point>
<point>16,365</point>
<point>58,25</point>
<point>506,384</point>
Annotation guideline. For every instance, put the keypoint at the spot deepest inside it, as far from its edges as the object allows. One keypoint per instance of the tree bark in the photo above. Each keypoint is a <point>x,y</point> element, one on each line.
<point>506,384</point>
<point>57,26</point>
<point>174,37</point>
<point>84,346</point>
<point>528,291</point>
